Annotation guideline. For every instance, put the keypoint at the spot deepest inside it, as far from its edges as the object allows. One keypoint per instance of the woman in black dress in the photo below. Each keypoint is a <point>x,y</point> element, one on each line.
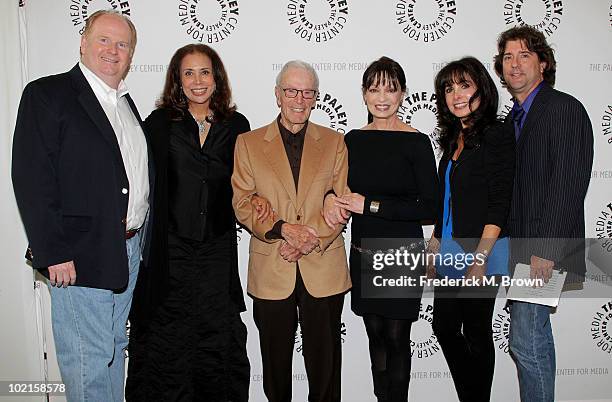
<point>476,175</point>
<point>187,341</point>
<point>392,174</point>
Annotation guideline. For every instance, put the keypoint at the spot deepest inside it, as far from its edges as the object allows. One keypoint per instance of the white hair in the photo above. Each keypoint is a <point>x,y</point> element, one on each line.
<point>297,64</point>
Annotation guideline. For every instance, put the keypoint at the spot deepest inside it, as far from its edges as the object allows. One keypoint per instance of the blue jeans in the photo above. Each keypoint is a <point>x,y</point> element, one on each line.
<point>533,349</point>
<point>89,327</point>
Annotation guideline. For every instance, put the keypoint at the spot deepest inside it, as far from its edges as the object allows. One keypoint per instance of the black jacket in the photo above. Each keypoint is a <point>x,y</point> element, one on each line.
<point>481,185</point>
<point>204,181</point>
<point>554,156</point>
<point>70,181</point>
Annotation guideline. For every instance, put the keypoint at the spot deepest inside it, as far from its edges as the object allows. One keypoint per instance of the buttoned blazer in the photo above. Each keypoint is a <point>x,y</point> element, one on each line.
<point>69,180</point>
<point>554,156</point>
<point>261,167</point>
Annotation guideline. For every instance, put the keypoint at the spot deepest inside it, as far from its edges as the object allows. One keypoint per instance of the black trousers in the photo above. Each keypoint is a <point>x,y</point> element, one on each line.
<point>463,328</point>
<point>319,320</point>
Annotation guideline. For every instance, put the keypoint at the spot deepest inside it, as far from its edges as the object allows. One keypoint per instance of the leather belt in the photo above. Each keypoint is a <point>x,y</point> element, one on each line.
<point>131,233</point>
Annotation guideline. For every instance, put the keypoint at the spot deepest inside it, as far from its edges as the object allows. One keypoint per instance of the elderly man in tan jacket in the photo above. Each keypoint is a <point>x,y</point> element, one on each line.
<point>297,264</point>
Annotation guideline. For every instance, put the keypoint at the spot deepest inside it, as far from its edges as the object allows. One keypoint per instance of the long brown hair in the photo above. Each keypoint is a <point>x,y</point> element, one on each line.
<point>479,120</point>
<point>175,100</point>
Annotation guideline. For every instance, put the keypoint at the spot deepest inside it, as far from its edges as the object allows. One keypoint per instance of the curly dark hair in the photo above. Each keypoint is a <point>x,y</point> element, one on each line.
<point>479,120</point>
<point>175,100</point>
<point>535,41</point>
<point>380,72</point>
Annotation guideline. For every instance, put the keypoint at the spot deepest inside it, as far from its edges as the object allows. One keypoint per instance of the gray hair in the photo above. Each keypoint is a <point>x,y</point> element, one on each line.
<point>93,17</point>
<point>297,64</point>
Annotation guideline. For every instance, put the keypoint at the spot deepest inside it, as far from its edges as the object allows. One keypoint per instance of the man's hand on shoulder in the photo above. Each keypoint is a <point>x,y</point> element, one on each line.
<point>302,237</point>
<point>63,274</point>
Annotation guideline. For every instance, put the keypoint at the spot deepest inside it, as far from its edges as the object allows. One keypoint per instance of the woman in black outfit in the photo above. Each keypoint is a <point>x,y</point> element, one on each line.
<point>187,341</point>
<point>476,175</point>
<point>392,174</point>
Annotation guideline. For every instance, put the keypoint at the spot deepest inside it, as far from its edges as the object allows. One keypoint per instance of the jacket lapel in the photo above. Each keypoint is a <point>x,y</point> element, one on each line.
<point>275,153</point>
<point>94,110</point>
<point>311,157</point>
<point>535,111</point>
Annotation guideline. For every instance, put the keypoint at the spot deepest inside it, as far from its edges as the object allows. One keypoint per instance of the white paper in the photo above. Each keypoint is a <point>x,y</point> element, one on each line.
<point>547,295</point>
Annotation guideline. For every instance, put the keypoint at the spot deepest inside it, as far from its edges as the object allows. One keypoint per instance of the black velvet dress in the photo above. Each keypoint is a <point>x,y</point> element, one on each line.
<point>187,341</point>
<point>398,170</point>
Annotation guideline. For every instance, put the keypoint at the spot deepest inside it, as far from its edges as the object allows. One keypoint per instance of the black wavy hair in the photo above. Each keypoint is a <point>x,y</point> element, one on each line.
<point>480,119</point>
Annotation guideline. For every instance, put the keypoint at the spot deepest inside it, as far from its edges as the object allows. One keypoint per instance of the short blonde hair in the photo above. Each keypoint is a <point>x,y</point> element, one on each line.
<point>92,19</point>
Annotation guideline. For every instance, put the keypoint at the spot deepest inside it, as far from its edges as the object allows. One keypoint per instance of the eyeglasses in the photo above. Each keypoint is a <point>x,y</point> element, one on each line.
<point>306,93</point>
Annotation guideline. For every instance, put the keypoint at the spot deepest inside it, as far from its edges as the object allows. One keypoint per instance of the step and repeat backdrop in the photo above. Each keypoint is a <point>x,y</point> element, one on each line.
<point>340,38</point>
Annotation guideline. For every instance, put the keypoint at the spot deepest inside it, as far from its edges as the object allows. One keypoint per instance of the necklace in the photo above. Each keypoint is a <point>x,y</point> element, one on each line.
<point>201,125</point>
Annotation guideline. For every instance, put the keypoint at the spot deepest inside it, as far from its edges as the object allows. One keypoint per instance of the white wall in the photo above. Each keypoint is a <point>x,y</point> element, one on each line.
<point>263,37</point>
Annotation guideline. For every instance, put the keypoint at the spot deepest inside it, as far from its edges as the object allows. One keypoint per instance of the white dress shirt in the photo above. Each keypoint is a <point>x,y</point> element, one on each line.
<point>132,144</point>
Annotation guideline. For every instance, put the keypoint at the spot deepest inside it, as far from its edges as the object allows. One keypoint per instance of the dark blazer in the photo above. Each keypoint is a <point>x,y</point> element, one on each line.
<point>69,180</point>
<point>554,156</point>
<point>481,185</point>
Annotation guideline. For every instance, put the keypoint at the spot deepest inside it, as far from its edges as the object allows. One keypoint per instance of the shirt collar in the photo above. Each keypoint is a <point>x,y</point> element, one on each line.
<point>285,133</point>
<point>101,87</point>
<point>529,100</point>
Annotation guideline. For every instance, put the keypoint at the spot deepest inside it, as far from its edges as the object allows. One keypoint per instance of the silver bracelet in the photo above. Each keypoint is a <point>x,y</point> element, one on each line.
<point>374,206</point>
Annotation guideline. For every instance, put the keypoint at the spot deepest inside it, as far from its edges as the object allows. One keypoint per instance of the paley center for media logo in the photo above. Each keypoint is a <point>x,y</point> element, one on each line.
<point>329,112</point>
<point>426,21</point>
<point>543,15</point>
<point>208,21</point>
<point>317,20</point>
<point>80,10</point>
<point>606,128</point>
<point>420,111</point>
<point>501,329</point>
<point>424,344</point>
<point>600,329</point>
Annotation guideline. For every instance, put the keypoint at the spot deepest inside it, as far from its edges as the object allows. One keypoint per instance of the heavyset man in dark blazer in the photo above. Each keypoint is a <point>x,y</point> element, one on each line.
<point>81,178</point>
<point>554,155</point>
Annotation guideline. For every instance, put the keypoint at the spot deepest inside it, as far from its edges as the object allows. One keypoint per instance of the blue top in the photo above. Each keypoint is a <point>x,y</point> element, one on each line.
<point>450,261</point>
<point>447,226</point>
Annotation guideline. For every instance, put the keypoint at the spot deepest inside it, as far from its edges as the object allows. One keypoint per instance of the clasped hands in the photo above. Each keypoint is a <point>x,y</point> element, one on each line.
<point>337,210</point>
<point>298,240</point>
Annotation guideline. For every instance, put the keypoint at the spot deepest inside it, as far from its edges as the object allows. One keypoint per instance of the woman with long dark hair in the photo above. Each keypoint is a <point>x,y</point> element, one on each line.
<point>392,174</point>
<point>476,175</point>
<point>187,341</point>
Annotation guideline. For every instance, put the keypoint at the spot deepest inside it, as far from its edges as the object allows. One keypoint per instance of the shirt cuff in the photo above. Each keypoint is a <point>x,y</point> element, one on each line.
<point>275,233</point>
